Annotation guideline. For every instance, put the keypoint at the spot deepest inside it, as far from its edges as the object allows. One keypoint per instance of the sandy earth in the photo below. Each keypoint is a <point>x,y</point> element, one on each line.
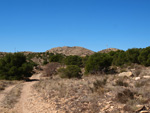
<point>30,101</point>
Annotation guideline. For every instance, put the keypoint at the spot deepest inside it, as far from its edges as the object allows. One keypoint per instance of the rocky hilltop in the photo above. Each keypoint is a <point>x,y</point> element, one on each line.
<point>80,51</point>
<point>108,50</point>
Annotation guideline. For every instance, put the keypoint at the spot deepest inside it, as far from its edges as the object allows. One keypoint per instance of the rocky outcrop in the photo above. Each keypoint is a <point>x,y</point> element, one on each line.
<point>80,51</point>
<point>108,50</point>
<point>126,74</point>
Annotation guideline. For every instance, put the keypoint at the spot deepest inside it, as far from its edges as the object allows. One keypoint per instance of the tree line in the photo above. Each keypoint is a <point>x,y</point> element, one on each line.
<point>18,66</point>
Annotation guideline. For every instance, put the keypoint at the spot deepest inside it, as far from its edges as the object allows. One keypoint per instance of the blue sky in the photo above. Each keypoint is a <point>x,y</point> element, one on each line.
<point>39,25</point>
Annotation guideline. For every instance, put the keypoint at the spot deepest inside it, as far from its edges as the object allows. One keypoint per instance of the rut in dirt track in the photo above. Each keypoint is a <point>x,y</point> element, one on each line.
<point>26,92</point>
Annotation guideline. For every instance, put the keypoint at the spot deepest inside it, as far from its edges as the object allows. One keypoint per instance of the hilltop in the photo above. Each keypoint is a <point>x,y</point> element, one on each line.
<point>80,51</point>
<point>108,50</point>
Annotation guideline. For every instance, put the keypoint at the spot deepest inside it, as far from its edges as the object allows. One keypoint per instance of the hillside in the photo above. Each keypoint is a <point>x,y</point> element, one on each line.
<point>2,54</point>
<point>108,50</point>
<point>80,51</point>
<point>122,86</point>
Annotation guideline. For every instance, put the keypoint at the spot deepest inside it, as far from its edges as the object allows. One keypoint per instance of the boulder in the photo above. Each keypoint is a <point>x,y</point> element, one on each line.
<point>126,74</point>
<point>147,77</point>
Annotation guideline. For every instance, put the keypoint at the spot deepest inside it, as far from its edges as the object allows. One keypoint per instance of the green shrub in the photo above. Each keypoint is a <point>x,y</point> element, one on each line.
<point>71,71</point>
<point>73,60</point>
<point>84,60</point>
<point>45,62</point>
<point>133,54</point>
<point>144,57</point>
<point>57,58</point>
<point>98,62</point>
<point>15,67</point>
<point>120,58</point>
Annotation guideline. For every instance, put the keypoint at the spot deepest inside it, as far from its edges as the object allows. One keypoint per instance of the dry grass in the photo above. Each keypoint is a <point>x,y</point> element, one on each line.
<point>121,82</point>
<point>70,95</point>
<point>6,83</point>
<point>94,94</point>
<point>12,97</point>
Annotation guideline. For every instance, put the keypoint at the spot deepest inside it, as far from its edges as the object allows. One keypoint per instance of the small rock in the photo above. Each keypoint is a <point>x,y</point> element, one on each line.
<point>126,74</point>
<point>139,106</point>
<point>144,112</point>
<point>137,78</point>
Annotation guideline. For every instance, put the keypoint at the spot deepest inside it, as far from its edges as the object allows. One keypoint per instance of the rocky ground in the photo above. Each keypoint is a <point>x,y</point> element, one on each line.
<point>80,51</point>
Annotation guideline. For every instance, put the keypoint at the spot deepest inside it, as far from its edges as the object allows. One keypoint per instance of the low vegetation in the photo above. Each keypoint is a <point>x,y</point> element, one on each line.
<point>15,67</point>
<point>93,94</point>
<point>71,71</point>
<point>98,62</point>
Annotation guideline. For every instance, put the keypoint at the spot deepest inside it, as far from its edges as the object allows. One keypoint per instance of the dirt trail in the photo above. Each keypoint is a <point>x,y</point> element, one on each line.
<point>30,101</point>
<point>26,93</point>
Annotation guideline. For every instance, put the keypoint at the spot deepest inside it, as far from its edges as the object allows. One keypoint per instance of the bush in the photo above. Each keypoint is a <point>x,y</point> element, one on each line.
<point>72,71</point>
<point>144,57</point>
<point>98,86</point>
<point>45,62</point>
<point>125,96</point>
<point>73,60</point>
<point>51,69</point>
<point>133,54</point>
<point>56,58</point>
<point>121,83</point>
<point>84,60</point>
<point>15,67</point>
<point>98,62</point>
<point>120,58</point>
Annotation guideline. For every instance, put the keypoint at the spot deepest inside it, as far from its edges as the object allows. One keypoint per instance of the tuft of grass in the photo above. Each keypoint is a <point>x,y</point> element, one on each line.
<point>121,83</point>
<point>125,96</point>
<point>98,86</point>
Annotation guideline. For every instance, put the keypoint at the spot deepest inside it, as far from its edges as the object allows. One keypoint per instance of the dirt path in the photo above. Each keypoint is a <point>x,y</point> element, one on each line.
<point>30,101</point>
<point>26,93</point>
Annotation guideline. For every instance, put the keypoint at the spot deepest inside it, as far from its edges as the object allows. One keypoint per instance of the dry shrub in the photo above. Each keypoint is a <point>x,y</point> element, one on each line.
<point>137,72</point>
<point>98,86</point>
<point>120,82</point>
<point>51,69</point>
<point>73,95</point>
<point>125,96</point>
